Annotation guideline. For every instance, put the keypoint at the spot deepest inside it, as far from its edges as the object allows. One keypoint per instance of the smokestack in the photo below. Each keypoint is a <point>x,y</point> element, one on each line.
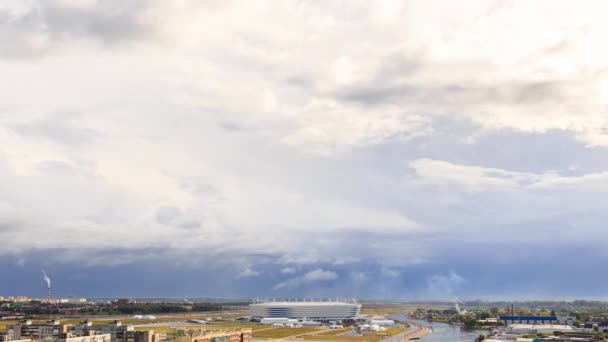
<point>48,285</point>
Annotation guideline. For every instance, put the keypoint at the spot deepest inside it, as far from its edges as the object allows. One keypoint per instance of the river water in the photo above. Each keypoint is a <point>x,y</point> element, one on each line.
<point>444,332</point>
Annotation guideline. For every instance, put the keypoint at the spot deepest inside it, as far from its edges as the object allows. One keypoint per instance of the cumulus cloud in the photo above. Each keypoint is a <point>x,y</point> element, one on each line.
<point>315,276</point>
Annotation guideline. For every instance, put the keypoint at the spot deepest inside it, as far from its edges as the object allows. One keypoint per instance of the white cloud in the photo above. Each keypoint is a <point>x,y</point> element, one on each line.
<point>279,126</point>
<point>288,270</point>
<point>248,272</point>
<point>315,276</point>
<point>477,178</point>
<point>470,178</point>
<point>20,262</point>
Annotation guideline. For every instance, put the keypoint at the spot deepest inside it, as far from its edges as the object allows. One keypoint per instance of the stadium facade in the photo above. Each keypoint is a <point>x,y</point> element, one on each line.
<point>313,310</point>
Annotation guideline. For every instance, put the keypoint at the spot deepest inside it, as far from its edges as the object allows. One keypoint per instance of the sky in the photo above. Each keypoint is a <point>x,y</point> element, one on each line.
<point>243,149</point>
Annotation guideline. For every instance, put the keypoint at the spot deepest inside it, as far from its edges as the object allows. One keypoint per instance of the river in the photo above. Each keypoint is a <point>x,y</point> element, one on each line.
<point>444,332</point>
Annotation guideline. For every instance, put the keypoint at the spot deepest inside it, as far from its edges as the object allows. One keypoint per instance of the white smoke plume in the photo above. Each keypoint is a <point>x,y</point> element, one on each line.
<point>460,312</point>
<point>46,278</point>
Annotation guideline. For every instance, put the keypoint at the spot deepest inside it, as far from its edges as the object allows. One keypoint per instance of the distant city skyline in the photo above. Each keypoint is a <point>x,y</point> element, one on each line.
<point>387,149</point>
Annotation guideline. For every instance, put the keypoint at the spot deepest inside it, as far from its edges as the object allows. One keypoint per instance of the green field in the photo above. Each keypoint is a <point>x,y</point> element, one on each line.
<point>228,326</point>
<point>371,337</point>
<point>333,332</point>
<point>283,332</point>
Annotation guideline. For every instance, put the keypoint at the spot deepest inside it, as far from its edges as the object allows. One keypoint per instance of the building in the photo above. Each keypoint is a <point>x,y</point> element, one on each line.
<point>74,300</point>
<point>25,329</point>
<point>529,329</point>
<point>381,322</point>
<point>508,320</point>
<point>69,337</point>
<point>18,299</point>
<point>117,332</point>
<point>83,332</point>
<point>596,327</point>
<point>6,338</point>
<point>315,310</point>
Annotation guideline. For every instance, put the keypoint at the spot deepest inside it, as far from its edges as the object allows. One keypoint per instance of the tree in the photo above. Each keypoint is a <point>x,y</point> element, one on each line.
<point>483,315</point>
<point>469,322</point>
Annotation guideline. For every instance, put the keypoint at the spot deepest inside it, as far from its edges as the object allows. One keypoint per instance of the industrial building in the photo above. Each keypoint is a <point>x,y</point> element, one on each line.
<point>530,329</point>
<point>564,320</point>
<point>314,310</point>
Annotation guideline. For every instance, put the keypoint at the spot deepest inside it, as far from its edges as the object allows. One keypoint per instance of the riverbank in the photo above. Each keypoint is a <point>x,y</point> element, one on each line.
<point>441,332</point>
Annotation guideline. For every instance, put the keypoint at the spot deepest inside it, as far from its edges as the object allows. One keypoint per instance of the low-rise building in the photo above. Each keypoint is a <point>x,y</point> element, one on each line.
<point>6,338</point>
<point>563,320</point>
<point>381,322</point>
<point>117,331</point>
<point>528,329</point>
<point>69,337</point>
<point>25,329</point>
<point>596,327</point>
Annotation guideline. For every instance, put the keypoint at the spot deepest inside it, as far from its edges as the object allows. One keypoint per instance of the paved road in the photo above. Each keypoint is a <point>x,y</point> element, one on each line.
<point>415,330</point>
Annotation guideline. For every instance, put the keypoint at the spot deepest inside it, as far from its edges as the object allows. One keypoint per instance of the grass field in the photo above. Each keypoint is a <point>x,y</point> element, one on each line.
<point>283,332</point>
<point>333,332</point>
<point>371,337</point>
<point>327,335</point>
<point>228,326</point>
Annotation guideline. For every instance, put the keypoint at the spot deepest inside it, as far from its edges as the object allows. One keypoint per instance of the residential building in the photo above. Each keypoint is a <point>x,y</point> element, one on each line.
<point>117,332</point>
<point>25,329</point>
<point>69,337</point>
